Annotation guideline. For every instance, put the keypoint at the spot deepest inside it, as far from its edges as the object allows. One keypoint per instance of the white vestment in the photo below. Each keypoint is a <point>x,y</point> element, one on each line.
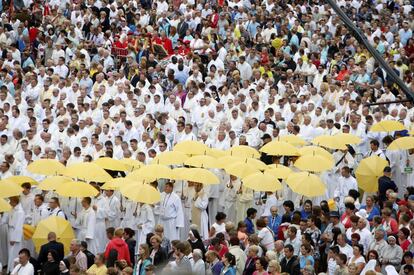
<point>15,234</point>
<point>114,212</point>
<point>101,214</point>
<point>171,215</point>
<point>145,223</point>
<point>199,211</point>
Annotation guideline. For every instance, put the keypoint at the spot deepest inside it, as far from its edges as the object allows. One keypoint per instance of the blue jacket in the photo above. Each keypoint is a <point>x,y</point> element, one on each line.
<point>229,271</point>
<point>273,224</point>
<point>250,226</point>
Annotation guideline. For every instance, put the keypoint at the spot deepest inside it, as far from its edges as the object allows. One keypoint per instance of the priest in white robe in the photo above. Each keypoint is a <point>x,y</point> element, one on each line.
<point>101,207</point>
<point>4,243</point>
<point>114,210</point>
<point>15,231</point>
<point>230,198</point>
<point>39,211</point>
<point>244,200</point>
<point>86,221</point>
<point>171,212</point>
<point>145,223</point>
<point>199,210</point>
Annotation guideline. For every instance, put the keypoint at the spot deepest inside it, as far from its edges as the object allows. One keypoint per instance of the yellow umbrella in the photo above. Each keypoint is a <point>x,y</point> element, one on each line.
<point>240,169</point>
<point>279,148</point>
<point>347,138</point>
<point>279,171</point>
<point>152,172</point>
<point>329,142</point>
<point>314,163</point>
<point>87,171</point>
<point>76,189</point>
<point>191,147</point>
<point>368,172</point>
<point>111,164</point>
<point>262,182</point>
<point>402,143</point>
<point>306,184</point>
<point>202,161</point>
<point>4,206</point>
<point>117,183</point>
<point>315,150</point>
<point>53,182</point>
<point>132,164</point>
<point>292,139</point>
<point>47,167</point>
<point>199,175</point>
<point>9,189</point>
<point>387,126</point>
<point>255,163</point>
<point>28,231</point>
<point>170,158</point>
<point>141,192</point>
<point>22,179</point>
<point>243,151</point>
<point>60,226</point>
<point>216,153</point>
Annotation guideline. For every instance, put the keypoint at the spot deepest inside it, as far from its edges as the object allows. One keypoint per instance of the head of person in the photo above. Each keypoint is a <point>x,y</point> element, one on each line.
<point>288,251</point>
<point>229,259</point>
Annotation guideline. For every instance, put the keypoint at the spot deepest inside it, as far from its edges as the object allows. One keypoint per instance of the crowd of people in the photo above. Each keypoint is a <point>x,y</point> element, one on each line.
<point>80,80</point>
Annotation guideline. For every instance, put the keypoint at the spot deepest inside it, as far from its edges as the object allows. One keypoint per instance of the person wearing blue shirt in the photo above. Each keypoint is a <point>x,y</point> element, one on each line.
<point>229,261</point>
<point>274,220</point>
<point>306,258</point>
<point>251,215</point>
<point>306,210</point>
<point>371,209</point>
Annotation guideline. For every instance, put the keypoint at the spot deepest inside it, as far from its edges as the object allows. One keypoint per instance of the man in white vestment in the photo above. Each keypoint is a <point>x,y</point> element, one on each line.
<point>145,222</point>
<point>199,210</point>
<point>171,212</point>
<point>15,231</point>
<point>345,183</point>
<point>114,210</point>
<point>39,211</point>
<point>100,206</point>
<point>86,220</point>
<point>54,208</point>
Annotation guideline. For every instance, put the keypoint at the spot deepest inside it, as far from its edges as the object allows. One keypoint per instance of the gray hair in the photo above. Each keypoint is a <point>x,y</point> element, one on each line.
<point>198,253</point>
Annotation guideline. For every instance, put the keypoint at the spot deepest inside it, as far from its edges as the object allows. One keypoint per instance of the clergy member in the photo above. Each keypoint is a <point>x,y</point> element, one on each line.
<point>199,210</point>
<point>86,221</point>
<point>15,231</point>
<point>171,212</point>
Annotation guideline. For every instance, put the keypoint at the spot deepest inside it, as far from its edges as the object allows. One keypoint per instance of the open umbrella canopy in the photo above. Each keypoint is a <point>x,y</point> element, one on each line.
<point>279,171</point>
<point>199,175</point>
<point>329,142</point>
<point>22,179</point>
<point>216,153</point>
<point>262,182</point>
<point>402,143</point>
<point>348,138</point>
<point>111,164</point>
<point>243,151</point>
<point>314,163</point>
<point>51,183</point>
<point>76,189</point>
<point>61,227</point>
<point>202,161</point>
<point>47,167</point>
<point>4,206</point>
<point>369,171</point>
<point>87,171</point>
<point>132,164</point>
<point>279,148</point>
<point>240,169</point>
<point>315,150</point>
<point>387,126</point>
<point>191,147</point>
<point>9,189</point>
<point>152,172</point>
<point>170,158</point>
<point>306,184</point>
<point>292,139</point>
<point>116,184</point>
<point>227,160</point>
<point>140,192</point>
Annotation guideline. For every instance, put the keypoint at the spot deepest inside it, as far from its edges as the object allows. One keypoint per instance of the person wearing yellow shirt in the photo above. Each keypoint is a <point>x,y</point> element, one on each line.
<point>99,267</point>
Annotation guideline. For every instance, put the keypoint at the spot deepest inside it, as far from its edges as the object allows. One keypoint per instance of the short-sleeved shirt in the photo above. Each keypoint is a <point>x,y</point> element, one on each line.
<point>267,239</point>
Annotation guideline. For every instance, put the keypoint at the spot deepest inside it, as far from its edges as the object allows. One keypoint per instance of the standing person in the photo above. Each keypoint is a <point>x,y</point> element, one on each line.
<point>244,201</point>
<point>249,220</point>
<point>265,234</point>
<point>238,254</point>
<point>114,209</point>
<point>290,262</point>
<point>54,208</point>
<point>199,210</point>
<point>143,259</point>
<point>131,242</point>
<point>229,262</point>
<point>230,197</point>
<point>145,222</point>
<point>86,221</point>
<point>51,267</point>
<point>99,267</point>
<point>118,244</point>
<point>101,207</point>
<point>51,245</point>
<point>385,183</point>
<point>80,257</point>
<point>39,211</point>
<point>24,267</point>
<point>158,253</point>
<point>171,212</point>
<point>274,220</point>
<point>181,260</point>
<point>15,231</point>
<point>199,266</point>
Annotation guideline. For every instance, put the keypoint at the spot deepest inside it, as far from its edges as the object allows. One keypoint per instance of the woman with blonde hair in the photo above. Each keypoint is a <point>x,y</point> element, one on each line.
<point>273,267</point>
<point>143,259</point>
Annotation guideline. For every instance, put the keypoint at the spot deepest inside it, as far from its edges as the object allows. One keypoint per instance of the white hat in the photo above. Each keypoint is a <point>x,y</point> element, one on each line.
<point>362,213</point>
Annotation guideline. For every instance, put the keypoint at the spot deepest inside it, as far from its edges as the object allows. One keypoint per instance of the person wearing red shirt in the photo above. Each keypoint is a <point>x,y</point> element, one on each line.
<point>403,241</point>
<point>403,209</point>
<point>118,244</point>
<point>220,249</point>
<point>390,225</point>
<point>166,43</point>
<point>183,48</point>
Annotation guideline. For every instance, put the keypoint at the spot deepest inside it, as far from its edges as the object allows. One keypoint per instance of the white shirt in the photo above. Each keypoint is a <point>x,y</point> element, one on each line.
<point>23,270</point>
<point>267,239</point>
